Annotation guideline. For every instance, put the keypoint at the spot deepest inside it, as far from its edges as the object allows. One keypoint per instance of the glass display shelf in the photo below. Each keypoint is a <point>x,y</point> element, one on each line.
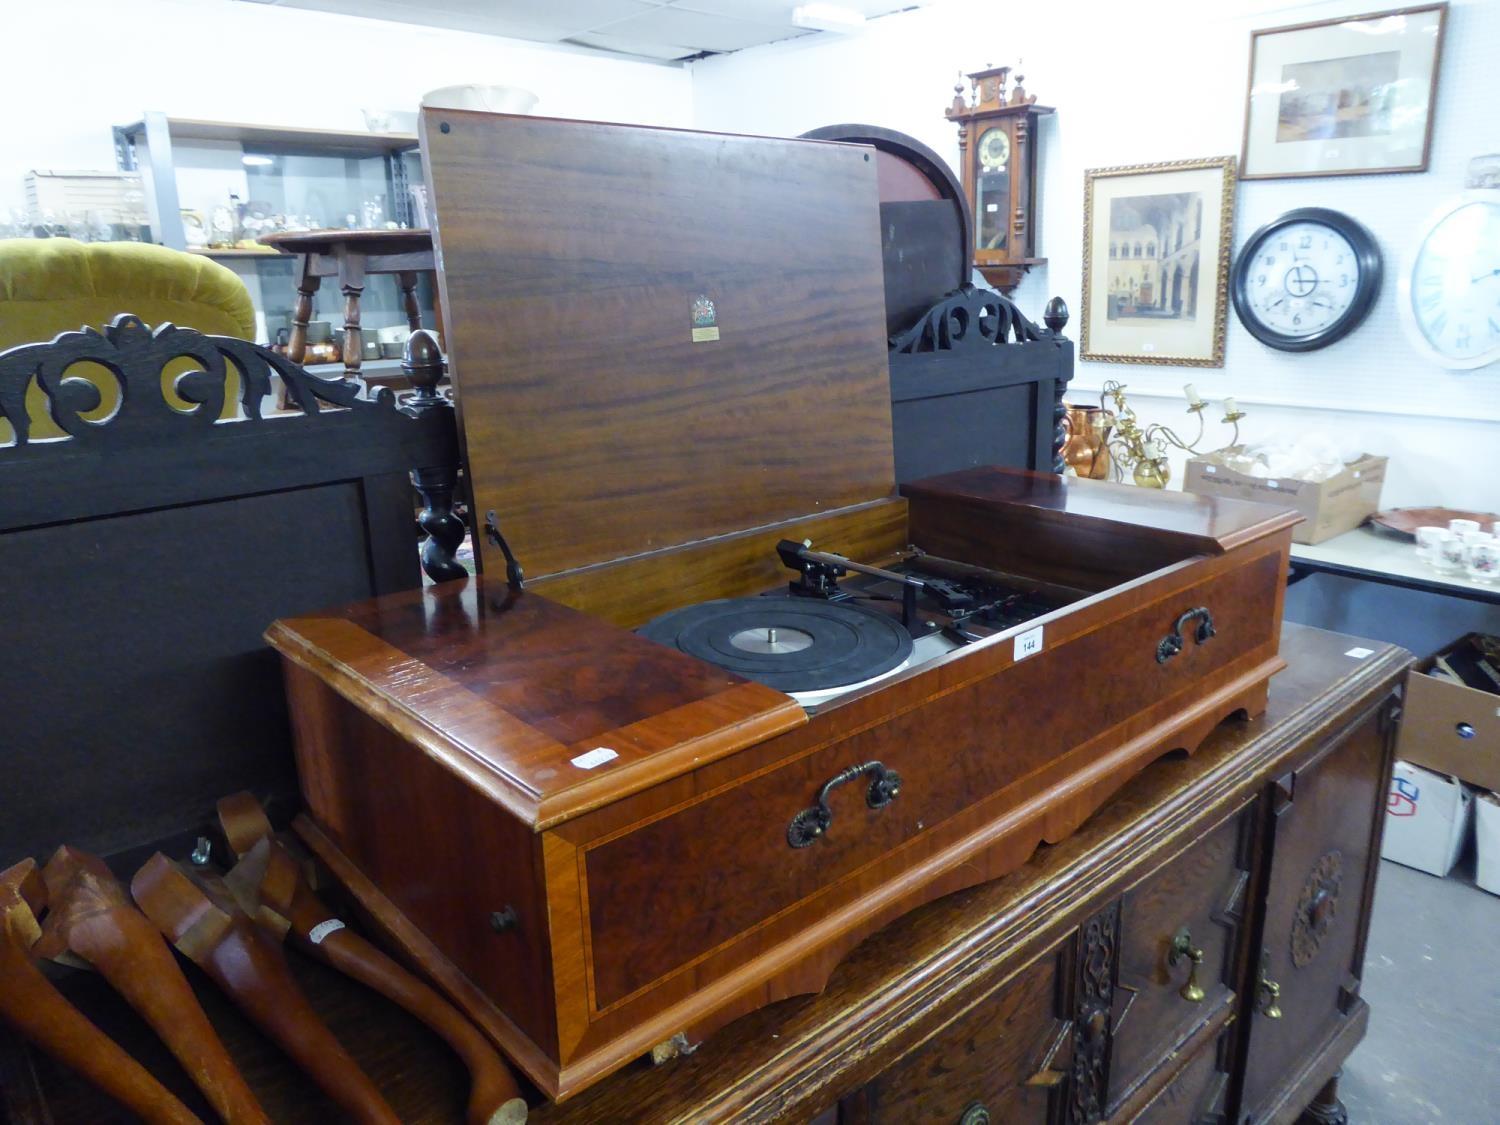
<point>214,187</point>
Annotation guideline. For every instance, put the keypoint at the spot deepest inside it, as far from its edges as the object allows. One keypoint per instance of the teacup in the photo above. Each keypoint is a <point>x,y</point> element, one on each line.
<point>1461,526</point>
<point>1483,564</point>
<point>1427,541</point>
<point>1451,554</point>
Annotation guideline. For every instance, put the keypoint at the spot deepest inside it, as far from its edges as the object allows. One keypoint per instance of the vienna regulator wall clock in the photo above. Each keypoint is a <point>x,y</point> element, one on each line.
<point>1450,293</point>
<point>997,143</point>
<point>1306,279</point>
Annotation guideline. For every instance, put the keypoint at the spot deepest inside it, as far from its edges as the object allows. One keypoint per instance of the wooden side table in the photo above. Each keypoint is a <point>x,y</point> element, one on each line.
<point>351,255</point>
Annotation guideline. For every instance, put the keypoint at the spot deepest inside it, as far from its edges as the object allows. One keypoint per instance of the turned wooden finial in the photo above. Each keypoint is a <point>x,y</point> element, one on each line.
<point>422,361</point>
<point>959,104</point>
<point>1018,91</point>
<point>1055,315</point>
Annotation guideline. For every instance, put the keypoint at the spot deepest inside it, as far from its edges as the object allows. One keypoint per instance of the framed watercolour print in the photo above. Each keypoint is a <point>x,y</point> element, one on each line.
<point>1156,261</point>
<point>1343,97</point>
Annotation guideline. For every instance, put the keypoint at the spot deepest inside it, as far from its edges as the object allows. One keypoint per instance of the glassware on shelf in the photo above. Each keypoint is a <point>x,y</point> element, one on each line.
<point>418,193</point>
<point>373,213</point>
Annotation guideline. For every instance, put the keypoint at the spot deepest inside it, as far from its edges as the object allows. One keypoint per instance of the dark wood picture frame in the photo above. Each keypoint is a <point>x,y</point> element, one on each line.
<point>1245,163</point>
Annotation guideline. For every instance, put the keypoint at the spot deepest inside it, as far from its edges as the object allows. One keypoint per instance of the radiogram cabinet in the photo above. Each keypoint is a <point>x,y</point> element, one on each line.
<point>1191,954</point>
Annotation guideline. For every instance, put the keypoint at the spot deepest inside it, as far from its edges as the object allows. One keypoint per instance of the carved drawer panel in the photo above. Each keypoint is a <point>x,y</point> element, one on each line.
<point>1324,824</point>
<point>1000,1061</point>
<point>1179,934</point>
<point>1196,1095</point>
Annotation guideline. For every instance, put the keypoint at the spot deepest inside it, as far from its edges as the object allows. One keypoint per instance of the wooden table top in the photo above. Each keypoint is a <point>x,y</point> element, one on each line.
<point>368,241</point>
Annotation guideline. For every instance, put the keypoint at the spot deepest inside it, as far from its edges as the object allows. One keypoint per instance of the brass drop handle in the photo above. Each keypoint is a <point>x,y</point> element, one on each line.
<point>1267,994</point>
<point>1183,948</point>
<point>812,822</point>
<point>1170,645</point>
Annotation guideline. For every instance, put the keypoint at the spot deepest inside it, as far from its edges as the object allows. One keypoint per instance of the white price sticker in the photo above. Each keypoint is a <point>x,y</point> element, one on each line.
<point>1360,653</point>
<point>1029,643</point>
<point>323,929</point>
<point>595,757</point>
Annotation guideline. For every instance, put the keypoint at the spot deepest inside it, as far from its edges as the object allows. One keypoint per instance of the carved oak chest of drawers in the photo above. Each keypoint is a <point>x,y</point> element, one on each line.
<point>1192,954</point>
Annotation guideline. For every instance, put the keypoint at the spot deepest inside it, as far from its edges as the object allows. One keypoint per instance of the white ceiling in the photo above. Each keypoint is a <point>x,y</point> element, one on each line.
<point>655,29</point>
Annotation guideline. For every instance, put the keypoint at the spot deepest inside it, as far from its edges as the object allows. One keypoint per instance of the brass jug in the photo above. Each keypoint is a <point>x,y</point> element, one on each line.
<point>1086,451</point>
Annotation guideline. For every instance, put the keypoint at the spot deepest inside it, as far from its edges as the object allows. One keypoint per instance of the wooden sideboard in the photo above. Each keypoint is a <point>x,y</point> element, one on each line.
<point>1050,995</point>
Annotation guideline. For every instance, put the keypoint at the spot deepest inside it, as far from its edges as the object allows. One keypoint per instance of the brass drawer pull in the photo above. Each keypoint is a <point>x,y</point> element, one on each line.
<point>977,1114</point>
<point>812,822</point>
<point>1183,949</point>
<point>1267,993</point>
<point>1170,645</point>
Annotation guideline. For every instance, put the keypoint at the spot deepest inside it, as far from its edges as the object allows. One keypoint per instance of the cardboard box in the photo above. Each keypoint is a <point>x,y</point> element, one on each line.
<point>1450,728</point>
<point>1426,819</point>
<point>1487,842</point>
<point>1330,507</point>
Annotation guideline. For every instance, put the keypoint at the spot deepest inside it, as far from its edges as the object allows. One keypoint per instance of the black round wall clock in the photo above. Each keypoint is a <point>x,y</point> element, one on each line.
<point>1306,279</point>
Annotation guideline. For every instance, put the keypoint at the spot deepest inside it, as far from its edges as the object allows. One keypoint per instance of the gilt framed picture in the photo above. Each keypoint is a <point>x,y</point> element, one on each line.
<point>1343,97</point>
<point>1156,261</point>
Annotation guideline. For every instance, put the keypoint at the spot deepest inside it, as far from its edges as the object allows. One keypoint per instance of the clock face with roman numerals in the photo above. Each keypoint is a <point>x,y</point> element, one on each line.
<point>1306,279</point>
<point>1451,298</point>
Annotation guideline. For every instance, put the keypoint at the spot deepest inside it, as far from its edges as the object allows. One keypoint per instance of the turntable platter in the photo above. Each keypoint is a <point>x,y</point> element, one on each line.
<point>791,644</point>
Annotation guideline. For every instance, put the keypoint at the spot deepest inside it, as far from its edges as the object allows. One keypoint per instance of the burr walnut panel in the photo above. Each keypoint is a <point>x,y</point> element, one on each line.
<point>953,752</point>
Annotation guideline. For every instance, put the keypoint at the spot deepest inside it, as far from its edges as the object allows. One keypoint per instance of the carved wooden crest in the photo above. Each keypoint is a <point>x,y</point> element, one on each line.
<point>135,355</point>
<point>969,318</point>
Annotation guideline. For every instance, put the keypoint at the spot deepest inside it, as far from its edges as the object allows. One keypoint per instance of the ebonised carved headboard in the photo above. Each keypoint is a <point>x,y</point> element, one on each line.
<point>973,382</point>
<point>144,555</point>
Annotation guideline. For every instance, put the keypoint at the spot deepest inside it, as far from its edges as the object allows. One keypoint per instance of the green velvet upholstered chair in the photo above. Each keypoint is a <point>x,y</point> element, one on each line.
<point>53,285</point>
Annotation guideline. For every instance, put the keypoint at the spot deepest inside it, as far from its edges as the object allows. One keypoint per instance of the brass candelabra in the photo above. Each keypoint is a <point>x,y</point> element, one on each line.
<point>1143,449</point>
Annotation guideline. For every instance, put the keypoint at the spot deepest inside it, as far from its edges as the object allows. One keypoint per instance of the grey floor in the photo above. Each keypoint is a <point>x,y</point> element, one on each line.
<point>1432,977</point>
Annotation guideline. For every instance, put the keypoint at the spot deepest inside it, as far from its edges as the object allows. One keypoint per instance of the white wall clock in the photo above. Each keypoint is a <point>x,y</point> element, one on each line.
<point>1306,279</point>
<point>1450,293</point>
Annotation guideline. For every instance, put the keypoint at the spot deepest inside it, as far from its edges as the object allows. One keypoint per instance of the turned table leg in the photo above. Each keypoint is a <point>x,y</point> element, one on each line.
<point>352,285</point>
<point>1326,1109</point>
<point>408,281</point>
<point>307,285</point>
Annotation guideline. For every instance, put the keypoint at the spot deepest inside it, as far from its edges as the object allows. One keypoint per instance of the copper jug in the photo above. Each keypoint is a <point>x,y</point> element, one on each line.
<point>1086,450</point>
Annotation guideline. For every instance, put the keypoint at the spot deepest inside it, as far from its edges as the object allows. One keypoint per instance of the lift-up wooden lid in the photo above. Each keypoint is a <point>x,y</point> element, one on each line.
<point>657,336</point>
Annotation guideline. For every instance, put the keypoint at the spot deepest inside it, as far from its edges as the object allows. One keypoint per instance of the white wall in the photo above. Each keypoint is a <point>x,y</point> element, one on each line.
<point>74,68</point>
<point>1133,83</point>
<point>1165,80</point>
